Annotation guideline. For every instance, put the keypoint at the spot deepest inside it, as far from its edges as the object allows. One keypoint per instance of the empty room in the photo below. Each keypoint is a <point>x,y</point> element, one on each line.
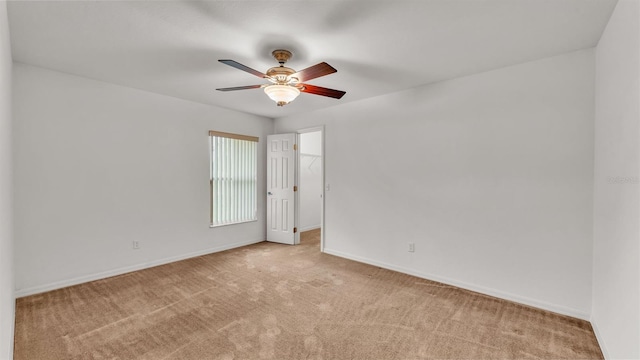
<point>306,179</point>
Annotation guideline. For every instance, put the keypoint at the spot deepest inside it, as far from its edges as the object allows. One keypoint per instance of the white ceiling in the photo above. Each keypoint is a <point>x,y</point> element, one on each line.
<point>378,47</point>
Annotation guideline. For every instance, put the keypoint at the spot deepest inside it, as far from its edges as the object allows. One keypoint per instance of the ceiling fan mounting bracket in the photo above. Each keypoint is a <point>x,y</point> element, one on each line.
<point>282,56</point>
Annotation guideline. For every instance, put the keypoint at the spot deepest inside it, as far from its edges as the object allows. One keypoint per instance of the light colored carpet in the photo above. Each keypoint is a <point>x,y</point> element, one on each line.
<point>271,301</point>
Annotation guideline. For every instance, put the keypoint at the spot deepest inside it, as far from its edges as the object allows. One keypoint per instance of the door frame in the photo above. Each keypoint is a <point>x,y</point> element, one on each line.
<point>319,128</point>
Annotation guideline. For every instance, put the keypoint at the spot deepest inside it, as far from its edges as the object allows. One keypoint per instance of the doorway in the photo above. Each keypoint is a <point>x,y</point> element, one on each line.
<point>310,169</point>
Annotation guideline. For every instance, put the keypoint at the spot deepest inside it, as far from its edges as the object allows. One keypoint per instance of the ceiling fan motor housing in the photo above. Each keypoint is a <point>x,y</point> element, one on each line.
<point>280,74</point>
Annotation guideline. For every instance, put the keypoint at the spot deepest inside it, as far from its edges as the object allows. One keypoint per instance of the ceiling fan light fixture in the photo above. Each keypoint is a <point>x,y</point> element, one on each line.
<point>282,94</point>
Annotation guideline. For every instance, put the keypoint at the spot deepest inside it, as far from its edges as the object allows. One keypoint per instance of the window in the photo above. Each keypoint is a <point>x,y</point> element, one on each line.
<point>233,178</point>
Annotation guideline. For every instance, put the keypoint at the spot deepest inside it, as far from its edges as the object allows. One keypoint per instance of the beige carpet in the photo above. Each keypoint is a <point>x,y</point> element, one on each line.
<point>270,301</point>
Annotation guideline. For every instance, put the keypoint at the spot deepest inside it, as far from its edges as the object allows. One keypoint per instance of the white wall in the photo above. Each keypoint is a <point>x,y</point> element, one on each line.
<point>99,165</point>
<point>310,180</point>
<point>616,274</point>
<point>490,175</point>
<point>7,299</point>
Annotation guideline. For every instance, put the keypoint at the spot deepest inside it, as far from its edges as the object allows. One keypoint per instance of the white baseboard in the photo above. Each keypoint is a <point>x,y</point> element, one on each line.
<point>563,310</point>
<point>480,289</point>
<point>312,227</point>
<point>127,269</point>
<point>599,338</point>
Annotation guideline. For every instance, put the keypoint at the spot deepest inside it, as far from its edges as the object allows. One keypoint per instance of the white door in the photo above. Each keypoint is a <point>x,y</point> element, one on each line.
<point>281,162</point>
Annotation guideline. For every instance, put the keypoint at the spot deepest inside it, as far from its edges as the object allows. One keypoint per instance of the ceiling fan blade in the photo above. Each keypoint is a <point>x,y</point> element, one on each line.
<point>314,71</point>
<point>318,90</point>
<point>239,66</point>
<point>240,88</point>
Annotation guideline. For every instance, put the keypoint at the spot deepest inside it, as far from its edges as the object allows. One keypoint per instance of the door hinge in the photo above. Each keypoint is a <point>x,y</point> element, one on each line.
<point>295,188</point>
<point>295,230</point>
<point>295,146</point>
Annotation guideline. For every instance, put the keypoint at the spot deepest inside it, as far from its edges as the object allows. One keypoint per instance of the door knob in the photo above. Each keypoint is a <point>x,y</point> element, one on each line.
<point>269,193</point>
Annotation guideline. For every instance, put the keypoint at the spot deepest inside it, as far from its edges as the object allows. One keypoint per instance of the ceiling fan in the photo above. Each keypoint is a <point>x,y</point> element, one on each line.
<point>285,83</point>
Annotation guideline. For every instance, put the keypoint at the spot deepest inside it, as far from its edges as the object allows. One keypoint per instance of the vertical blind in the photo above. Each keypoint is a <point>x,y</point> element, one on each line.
<point>233,178</point>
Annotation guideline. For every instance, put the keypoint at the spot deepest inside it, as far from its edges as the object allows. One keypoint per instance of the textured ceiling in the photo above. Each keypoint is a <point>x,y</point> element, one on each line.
<point>378,47</point>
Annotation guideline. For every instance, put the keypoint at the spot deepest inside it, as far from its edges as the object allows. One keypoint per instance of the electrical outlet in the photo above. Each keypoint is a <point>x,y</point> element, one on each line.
<point>412,247</point>
<point>136,245</point>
